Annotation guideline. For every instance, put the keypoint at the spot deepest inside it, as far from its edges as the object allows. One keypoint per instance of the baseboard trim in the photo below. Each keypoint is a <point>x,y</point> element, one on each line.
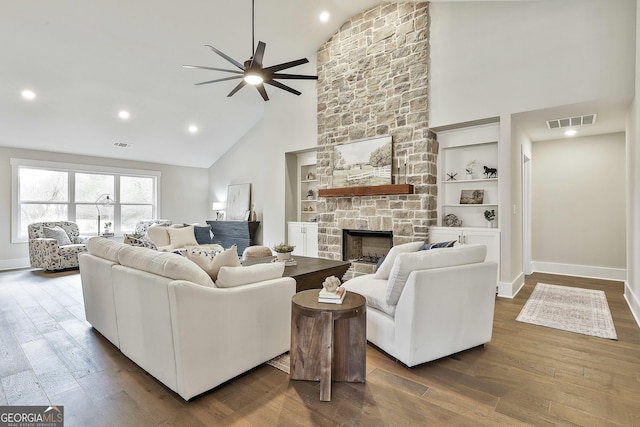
<point>633,301</point>
<point>510,290</point>
<point>13,264</point>
<point>605,273</point>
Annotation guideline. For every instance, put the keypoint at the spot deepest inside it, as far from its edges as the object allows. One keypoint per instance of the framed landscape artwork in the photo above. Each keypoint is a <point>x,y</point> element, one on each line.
<point>238,202</point>
<point>362,163</point>
<point>471,197</point>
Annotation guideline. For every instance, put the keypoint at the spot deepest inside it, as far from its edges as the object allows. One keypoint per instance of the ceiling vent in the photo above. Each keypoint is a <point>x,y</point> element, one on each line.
<point>122,145</point>
<point>587,119</point>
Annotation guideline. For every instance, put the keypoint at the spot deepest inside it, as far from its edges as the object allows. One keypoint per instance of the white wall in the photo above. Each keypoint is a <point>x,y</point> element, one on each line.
<point>289,124</point>
<point>491,58</point>
<point>183,194</point>
<point>579,202</point>
<point>632,286</point>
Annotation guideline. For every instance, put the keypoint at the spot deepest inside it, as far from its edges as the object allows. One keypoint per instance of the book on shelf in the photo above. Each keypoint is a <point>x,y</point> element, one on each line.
<point>332,297</point>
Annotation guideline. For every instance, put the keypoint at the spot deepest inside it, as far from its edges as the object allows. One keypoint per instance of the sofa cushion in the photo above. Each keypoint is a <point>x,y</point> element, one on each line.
<point>211,261</point>
<point>104,248</point>
<point>164,264</point>
<point>405,263</point>
<point>230,277</point>
<point>57,233</point>
<point>385,268</point>
<point>374,290</point>
<point>180,237</point>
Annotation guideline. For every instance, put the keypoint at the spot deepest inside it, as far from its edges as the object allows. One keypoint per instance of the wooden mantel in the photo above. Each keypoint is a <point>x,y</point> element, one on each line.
<point>374,190</point>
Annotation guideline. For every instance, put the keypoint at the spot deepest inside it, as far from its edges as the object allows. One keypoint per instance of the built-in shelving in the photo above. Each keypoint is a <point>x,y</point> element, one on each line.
<point>307,183</point>
<point>457,151</point>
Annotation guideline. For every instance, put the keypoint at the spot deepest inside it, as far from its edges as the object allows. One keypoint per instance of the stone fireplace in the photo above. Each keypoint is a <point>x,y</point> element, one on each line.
<point>373,81</point>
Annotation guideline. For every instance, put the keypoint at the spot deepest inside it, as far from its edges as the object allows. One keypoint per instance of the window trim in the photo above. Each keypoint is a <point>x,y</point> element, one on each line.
<point>72,168</point>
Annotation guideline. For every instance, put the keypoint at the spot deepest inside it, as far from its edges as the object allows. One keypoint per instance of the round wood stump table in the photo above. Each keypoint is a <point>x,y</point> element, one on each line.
<point>328,341</point>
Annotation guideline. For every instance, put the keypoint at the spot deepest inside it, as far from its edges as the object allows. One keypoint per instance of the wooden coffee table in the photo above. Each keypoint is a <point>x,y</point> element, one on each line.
<point>310,272</point>
<point>328,341</point>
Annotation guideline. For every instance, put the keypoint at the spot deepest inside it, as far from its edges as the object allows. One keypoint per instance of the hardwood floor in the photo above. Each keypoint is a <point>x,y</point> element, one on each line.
<point>527,375</point>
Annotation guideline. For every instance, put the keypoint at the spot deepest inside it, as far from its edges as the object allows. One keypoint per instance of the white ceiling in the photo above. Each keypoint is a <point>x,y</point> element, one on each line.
<point>87,60</point>
<point>611,118</point>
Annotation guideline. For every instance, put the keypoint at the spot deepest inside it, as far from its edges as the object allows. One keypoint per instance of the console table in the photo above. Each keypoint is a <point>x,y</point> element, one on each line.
<point>229,233</point>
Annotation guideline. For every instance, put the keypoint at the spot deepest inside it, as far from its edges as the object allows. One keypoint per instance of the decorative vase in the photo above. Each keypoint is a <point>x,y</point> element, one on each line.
<point>283,256</point>
<point>469,176</point>
<point>490,224</point>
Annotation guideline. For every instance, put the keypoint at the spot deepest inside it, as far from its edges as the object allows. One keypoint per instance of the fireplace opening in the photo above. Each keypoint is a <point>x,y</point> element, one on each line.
<point>366,246</point>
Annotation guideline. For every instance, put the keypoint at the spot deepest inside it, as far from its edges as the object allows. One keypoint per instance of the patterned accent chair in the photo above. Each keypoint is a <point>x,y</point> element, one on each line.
<point>47,254</point>
<point>139,236</point>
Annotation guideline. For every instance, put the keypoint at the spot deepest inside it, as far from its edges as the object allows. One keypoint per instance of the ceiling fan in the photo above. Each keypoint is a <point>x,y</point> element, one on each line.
<point>252,71</point>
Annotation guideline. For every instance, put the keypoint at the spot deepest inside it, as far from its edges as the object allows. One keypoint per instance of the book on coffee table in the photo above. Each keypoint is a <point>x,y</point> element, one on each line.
<point>332,297</point>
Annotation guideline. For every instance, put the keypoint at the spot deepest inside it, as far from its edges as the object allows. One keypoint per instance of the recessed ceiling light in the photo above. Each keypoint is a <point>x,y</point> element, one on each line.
<point>324,16</point>
<point>124,115</point>
<point>570,132</point>
<point>193,128</point>
<point>28,94</point>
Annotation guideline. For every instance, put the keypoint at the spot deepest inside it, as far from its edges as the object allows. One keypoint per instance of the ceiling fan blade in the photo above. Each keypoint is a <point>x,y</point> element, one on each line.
<point>256,62</point>
<point>293,76</point>
<point>219,80</point>
<point>262,91</point>
<point>200,67</point>
<point>285,65</point>
<point>237,88</point>
<point>227,57</point>
<point>281,86</point>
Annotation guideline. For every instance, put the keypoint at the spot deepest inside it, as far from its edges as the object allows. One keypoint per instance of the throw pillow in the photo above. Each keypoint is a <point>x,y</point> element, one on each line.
<point>181,237</point>
<point>405,263</point>
<point>57,233</point>
<point>387,264</point>
<point>203,234</point>
<point>428,246</point>
<point>230,277</point>
<point>159,235</point>
<point>211,262</point>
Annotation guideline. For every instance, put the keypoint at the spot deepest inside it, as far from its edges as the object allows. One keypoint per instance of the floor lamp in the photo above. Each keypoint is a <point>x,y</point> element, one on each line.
<point>104,200</point>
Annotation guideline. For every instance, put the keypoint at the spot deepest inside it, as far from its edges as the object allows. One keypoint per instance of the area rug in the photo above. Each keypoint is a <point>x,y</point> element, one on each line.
<point>584,311</point>
<point>280,362</point>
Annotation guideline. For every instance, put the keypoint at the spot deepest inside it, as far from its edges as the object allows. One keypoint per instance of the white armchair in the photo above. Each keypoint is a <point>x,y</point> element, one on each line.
<point>52,253</point>
<point>431,303</point>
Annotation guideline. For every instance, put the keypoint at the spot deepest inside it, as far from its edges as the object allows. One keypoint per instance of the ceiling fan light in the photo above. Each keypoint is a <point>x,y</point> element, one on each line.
<point>253,78</point>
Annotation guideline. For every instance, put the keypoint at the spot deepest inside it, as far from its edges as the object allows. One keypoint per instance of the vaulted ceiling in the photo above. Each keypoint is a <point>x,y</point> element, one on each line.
<point>88,60</point>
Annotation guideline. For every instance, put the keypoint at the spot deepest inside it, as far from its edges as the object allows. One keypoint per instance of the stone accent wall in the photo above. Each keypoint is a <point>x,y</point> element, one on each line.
<point>372,81</point>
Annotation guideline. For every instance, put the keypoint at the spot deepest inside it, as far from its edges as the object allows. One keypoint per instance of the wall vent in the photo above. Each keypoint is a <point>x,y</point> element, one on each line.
<point>122,145</point>
<point>587,119</point>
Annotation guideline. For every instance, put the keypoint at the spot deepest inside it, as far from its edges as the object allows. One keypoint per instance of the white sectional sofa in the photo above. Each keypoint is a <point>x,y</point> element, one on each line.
<point>167,315</point>
<point>424,305</point>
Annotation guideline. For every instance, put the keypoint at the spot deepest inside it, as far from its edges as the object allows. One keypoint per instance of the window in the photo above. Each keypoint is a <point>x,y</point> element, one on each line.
<point>49,191</point>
